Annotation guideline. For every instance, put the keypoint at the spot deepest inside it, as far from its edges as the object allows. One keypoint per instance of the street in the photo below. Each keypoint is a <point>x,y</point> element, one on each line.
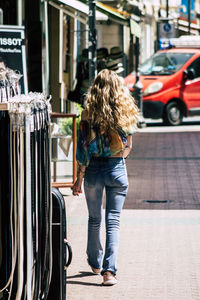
<point>164,167</point>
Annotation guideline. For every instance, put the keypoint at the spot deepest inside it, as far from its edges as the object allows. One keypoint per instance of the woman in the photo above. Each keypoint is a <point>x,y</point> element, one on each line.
<point>105,140</point>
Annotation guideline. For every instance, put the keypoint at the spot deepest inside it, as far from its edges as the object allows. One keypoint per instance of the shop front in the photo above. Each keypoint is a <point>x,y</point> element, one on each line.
<point>68,49</point>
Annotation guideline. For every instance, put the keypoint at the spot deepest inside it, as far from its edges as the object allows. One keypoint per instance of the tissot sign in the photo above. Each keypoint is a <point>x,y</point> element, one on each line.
<point>12,51</point>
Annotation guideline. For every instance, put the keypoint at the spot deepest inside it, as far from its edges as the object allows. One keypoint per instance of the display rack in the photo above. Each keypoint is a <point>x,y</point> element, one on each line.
<point>25,196</point>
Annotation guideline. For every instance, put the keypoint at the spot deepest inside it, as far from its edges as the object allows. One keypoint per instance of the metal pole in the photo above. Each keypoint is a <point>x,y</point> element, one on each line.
<point>19,12</point>
<point>1,16</point>
<point>189,16</point>
<point>92,41</point>
<point>138,85</point>
<point>137,51</point>
<point>167,8</point>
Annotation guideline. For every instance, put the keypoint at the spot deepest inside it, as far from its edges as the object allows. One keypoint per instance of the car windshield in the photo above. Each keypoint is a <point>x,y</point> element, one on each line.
<point>164,63</point>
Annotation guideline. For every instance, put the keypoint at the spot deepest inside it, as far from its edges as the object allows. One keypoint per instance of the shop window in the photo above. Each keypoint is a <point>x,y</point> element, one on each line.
<point>9,8</point>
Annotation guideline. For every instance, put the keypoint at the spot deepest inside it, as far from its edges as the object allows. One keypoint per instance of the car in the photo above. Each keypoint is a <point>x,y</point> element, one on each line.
<point>171,81</point>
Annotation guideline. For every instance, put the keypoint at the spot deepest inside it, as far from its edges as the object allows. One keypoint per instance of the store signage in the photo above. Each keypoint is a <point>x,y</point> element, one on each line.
<point>12,51</point>
<point>184,10</point>
<point>135,28</point>
<point>166,30</point>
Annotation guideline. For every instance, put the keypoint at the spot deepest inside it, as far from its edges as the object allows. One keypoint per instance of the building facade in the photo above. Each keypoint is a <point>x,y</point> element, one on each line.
<point>57,39</point>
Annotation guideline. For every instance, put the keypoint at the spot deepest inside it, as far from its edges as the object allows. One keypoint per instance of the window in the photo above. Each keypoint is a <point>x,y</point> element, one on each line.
<point>195,65</point>
<point>164,63</point>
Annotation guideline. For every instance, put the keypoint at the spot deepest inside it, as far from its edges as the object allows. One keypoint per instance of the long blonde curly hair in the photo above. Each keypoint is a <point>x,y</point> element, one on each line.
<point>109,103</point>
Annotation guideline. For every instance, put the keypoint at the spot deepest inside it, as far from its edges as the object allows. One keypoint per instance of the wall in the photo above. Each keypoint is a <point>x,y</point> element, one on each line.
<point>0,239</point>
<point>109,35</point>
<point>147,42</point>
<point>54,57</point>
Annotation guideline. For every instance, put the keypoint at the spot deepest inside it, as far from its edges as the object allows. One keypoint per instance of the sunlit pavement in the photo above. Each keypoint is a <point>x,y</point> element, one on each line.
<point>159,254</point>
<point>189,124</point>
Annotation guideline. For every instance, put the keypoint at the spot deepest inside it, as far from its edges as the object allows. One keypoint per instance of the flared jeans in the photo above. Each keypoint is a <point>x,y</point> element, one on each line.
<point>109,174</point>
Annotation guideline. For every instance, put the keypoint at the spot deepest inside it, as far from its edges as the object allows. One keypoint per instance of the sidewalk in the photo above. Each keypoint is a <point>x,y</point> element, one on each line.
<point>159,255</point>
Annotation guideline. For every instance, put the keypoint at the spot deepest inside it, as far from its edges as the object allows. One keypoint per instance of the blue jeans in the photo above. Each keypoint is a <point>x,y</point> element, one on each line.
<point>111,174</point>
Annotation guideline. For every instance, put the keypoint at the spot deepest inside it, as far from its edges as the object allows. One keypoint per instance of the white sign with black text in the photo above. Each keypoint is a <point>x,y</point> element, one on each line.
<point>12,51</point>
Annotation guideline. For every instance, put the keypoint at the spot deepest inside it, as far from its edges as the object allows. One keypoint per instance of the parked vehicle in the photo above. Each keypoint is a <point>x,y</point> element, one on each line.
<point>171,81</point>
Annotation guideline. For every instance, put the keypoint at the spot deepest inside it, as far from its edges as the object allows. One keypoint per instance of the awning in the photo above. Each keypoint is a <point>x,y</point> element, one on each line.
<point>185,23</point>
<point>71,7</point>
<point>114,14</point>
<point>183,26</point>
<point>80,10</point>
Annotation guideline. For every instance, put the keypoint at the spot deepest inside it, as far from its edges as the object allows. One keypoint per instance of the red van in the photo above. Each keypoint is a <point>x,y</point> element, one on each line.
<point>171,81</point>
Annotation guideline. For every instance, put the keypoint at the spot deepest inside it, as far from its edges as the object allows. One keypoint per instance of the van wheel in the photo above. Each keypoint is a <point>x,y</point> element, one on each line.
<point>173,114</point>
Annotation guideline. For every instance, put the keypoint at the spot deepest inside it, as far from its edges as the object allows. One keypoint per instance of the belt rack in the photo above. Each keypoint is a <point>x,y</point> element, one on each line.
<point>25,197</point>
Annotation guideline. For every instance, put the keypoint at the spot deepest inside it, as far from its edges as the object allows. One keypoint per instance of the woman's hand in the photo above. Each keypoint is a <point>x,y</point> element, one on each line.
<point>77,188</point>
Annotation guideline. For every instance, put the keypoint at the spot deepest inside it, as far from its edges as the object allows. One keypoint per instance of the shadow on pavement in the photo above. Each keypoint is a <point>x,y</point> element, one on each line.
<point>84,283</point>
<point>81,274</point>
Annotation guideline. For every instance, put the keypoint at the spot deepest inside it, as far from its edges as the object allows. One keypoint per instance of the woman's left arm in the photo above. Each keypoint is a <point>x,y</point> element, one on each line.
<point>128,149</point>
<point>77,188</point>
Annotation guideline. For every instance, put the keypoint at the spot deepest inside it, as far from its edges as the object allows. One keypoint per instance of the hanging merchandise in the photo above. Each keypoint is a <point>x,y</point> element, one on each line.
<point>26,258</point>
<point>9,84</point>
<point>25,194</point>
<point>5,250</point>
<point>8,87</point>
